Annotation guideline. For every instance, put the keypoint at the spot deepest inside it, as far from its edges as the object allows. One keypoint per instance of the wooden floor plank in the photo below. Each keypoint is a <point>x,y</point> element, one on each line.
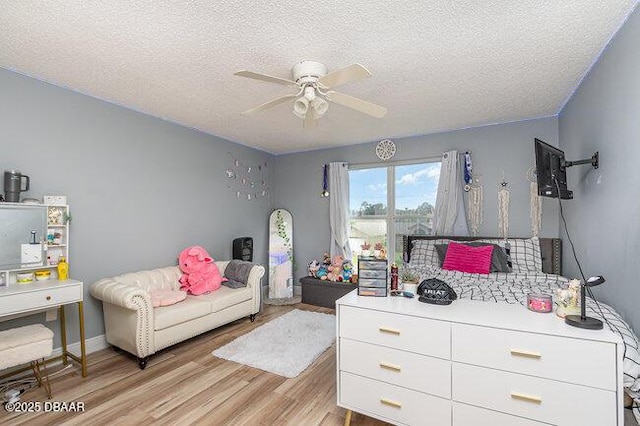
<point>186,385</point>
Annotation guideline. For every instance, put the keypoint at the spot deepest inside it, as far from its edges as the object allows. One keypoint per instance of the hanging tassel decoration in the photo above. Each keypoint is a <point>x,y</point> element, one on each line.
<point>325,181</point>
<point>535,202</point>
<point>503,210</point>
<point>475,208</point>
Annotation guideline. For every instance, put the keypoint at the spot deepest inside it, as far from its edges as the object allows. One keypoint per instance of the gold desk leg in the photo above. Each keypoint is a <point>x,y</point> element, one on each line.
<point>347,418</point>
<point>63,335</point>
<point>83,350</point>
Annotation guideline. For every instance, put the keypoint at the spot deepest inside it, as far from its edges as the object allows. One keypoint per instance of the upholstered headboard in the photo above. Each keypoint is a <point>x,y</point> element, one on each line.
<point>550,249</point>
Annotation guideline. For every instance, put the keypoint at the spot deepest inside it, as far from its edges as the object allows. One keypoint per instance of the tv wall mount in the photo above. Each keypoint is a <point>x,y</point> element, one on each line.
<point>594,161</point>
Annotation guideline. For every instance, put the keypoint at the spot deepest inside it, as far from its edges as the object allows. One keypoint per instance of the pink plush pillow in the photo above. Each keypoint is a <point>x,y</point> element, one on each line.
<point>464,258</point>
<point>166,297</point>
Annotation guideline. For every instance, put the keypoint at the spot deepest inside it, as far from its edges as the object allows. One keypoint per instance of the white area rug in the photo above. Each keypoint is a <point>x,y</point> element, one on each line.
<point>285,346</point>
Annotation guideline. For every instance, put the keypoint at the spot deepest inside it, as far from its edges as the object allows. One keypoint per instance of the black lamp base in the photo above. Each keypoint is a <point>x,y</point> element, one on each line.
<point>586,322</point>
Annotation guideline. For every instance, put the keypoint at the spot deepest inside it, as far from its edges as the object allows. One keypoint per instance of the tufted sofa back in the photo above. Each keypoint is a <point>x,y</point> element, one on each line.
<point>154,279</point>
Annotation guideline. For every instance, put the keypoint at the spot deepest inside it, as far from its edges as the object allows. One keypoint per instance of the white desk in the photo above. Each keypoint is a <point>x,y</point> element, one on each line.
<point>16,299</point>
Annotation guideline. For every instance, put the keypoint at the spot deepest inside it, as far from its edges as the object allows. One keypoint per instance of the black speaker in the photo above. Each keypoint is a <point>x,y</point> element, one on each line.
<point>243,249</point>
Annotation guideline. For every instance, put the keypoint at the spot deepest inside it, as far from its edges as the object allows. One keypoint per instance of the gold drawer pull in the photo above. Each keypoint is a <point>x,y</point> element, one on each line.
<point>527,398</point>
<point>526,354</point>
<point>390,403</point>
<point>389,330</point>
<point>390,366</point>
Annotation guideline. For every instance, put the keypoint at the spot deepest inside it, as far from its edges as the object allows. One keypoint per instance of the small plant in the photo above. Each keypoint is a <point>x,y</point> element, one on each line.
<point>409,276</point>
<point>378,246</point>
<point>365,246</point>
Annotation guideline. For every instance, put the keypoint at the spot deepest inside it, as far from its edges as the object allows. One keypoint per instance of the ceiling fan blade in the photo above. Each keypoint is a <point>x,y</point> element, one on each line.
<point>309,120</point>
<point>351,73</point>
<point>357,104</point>
<point>264,77</point>
<point>267,105</point>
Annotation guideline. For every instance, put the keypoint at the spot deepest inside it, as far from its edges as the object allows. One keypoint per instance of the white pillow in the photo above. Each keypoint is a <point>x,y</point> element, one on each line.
<point>423,252</point>
<point>524,253</point>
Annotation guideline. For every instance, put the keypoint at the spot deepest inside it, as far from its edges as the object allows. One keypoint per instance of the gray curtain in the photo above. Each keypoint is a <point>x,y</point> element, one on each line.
<point>449,217</point>
<point>339,209</point>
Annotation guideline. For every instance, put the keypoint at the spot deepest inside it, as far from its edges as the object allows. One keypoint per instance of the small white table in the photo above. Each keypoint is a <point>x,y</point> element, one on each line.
<point>31,298</point>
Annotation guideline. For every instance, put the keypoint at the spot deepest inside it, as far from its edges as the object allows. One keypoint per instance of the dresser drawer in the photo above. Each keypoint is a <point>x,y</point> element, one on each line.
<point>30,300</point>
<point>372,273</point>
<point>372,264</point>
<point>404,332</point>
<point>406,369</point>
<point>467,415</point>
<point>532,397</point>
<point>372,282</point>
<point>392,403</point>
<point>552,357</point>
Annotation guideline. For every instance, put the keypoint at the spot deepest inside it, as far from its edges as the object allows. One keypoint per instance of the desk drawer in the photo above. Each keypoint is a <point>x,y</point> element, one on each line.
<point>392,403</point>
<point>532,397</point>
<point>418,372</point>
<point>31,300</point>
<point>559,358</point>
<point>398,331</point>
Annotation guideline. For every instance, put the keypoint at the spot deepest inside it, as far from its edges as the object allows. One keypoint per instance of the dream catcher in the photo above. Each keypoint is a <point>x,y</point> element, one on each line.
<point>535,202</point>
<point>503,209</point>
<point>474,196</point>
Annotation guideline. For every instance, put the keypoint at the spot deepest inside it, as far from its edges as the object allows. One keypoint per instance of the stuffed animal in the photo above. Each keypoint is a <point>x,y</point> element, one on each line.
<point>314,265</point>
<point>347,271</point>
<point>322,272</point>
<point>200,273</point>
<point>335,269</point>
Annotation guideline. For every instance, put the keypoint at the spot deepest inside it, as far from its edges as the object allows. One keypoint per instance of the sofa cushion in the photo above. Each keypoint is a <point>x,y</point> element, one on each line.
<point>225,297</point>
<point>187,310</point>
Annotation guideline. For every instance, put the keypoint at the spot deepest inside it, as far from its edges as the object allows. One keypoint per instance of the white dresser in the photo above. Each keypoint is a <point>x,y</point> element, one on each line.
<point>473,363</point>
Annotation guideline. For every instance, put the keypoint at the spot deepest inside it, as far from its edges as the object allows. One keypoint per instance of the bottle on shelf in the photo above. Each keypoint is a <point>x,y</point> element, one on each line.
<point>394,276</point>
<point>63,269</point>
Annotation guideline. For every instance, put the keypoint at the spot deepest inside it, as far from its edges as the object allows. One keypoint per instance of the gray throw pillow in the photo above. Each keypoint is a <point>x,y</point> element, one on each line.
<point>499,259</point>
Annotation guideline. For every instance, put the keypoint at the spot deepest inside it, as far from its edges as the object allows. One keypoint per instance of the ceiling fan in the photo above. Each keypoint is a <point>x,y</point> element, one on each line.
<point>314,92</point>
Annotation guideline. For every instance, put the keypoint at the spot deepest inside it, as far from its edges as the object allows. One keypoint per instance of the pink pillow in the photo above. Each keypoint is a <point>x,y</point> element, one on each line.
<point>464,258</point>
<point>166,297</point>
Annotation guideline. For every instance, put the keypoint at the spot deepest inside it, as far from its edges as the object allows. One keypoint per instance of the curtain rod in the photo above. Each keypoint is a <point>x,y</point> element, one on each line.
<point>396,163</point>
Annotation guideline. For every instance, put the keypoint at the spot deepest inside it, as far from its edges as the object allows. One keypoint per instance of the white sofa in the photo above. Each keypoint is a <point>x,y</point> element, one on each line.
<point>132,324</point>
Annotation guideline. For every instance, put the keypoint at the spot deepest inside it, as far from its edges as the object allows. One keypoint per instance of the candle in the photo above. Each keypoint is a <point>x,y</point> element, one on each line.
<point>539,302</point>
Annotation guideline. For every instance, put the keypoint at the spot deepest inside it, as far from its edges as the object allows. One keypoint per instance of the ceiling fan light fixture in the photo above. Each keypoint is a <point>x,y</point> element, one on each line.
<point>320,106</point>
<point>310,93</point>
<point>300,106</point>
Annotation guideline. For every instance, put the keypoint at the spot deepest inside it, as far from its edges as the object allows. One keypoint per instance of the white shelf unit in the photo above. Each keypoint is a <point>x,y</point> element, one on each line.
<point>55,244</point>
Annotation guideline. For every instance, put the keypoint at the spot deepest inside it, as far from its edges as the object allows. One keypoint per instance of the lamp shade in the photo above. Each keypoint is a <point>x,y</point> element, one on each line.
<point>300,106</point>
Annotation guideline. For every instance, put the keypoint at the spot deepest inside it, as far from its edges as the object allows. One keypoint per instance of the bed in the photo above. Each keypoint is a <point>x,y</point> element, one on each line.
<point>535,267</point>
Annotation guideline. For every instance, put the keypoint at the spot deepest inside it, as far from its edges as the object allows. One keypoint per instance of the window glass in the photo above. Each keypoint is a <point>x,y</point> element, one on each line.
<point>416,187</point>
<point>380,215</point>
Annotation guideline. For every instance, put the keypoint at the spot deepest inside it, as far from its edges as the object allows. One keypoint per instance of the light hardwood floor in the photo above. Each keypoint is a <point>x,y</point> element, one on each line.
<point>185,384</point>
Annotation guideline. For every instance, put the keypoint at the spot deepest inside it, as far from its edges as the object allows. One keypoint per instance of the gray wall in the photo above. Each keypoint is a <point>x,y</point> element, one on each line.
<point>603,115</point>
<point>506,147</point>
<point>140,189</point>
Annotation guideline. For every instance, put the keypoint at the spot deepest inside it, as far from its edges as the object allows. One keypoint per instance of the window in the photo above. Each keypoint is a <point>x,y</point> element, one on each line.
<point>388,202</point>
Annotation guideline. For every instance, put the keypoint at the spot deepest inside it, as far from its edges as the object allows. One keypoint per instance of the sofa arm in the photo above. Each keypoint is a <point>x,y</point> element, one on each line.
<point>125,295</point>
<point>126,304</point>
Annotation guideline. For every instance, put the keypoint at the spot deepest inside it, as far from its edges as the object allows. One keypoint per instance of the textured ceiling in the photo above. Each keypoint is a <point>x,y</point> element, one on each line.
<point>437,64</point>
